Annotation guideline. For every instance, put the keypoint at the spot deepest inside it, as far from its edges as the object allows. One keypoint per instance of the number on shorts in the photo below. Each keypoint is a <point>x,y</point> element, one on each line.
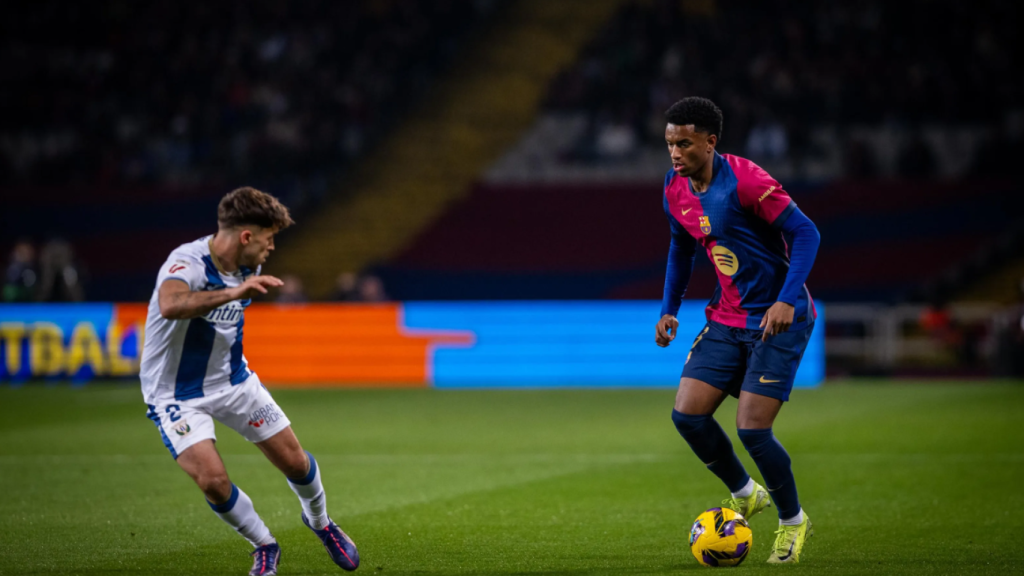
<point>173,410</point>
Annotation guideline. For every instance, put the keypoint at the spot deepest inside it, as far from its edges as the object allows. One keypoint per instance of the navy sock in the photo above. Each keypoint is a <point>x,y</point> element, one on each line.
<point>775,466</point>
<point>709,442</point>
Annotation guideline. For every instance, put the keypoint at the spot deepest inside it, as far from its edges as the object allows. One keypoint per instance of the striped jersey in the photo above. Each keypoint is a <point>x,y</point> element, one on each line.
<point>738,220</point>
<point>185,359</point>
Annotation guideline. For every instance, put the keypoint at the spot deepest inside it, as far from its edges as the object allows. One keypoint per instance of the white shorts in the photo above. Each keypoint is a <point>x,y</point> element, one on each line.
<point>247,408</point>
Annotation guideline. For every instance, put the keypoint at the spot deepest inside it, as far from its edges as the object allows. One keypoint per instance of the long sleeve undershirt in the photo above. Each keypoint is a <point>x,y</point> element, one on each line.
<point>681,252</point>
<point>801,255</point>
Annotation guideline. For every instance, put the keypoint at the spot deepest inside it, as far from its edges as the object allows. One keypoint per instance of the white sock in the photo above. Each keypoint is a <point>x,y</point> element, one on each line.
<point>311,495</point>
<point>794,521</point>
<point>240,514</point>
<point>746,491</point>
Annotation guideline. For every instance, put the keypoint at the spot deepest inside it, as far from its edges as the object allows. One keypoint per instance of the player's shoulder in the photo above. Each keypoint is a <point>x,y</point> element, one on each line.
<point>752,181</point>
<point>745,170</point>
<point>193,251</point>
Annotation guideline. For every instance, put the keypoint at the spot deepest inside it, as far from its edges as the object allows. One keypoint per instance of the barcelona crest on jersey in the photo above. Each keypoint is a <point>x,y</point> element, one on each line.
<point>705,225</point>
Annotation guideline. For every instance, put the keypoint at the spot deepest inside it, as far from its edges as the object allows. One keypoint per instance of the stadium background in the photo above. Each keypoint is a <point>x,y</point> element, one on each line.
<point>476,185</point>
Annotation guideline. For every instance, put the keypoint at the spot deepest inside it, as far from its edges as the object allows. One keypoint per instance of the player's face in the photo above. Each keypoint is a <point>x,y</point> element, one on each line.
<point>690,150</point>
<point>257,243</point>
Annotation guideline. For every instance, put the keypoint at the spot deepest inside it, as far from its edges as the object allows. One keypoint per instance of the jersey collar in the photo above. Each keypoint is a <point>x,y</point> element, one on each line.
<point>716,169</point>
<point>216,261</point>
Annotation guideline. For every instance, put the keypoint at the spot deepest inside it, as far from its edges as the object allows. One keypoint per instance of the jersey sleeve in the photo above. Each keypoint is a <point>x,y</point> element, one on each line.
<point>679,267</point>
<point>761,194</point>
<point>182,267</point>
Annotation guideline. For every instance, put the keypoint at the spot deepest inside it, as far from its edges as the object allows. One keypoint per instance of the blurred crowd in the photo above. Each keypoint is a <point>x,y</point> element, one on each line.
<point>156,92</point>
<point>348,287</point>
<point>50,273</point>
<point>780,68</point>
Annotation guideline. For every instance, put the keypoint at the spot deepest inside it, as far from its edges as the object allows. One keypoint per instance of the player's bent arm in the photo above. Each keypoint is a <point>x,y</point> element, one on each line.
<point>178,302</point>
<point>805,248</point>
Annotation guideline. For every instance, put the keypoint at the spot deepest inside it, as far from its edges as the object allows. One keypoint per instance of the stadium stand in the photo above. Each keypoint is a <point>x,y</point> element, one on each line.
<point>184,104</point>
<point>312,86</point>
<point>796,81</point>
<point>482,106</point>
<point>908,188</point>
<point>591,241</point>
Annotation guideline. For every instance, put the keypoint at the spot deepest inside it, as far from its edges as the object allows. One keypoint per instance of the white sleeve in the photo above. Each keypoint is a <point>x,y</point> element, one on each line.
<point>185,268</point>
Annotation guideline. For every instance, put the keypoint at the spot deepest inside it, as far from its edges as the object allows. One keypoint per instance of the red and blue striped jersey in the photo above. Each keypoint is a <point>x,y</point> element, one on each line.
<point>738,220</point>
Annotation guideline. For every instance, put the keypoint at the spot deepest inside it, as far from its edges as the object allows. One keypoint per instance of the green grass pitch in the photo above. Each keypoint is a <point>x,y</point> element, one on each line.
<point>898,479</point>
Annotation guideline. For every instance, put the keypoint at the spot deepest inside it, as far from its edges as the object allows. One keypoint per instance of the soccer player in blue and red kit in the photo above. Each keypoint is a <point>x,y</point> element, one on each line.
<point>758,321</point>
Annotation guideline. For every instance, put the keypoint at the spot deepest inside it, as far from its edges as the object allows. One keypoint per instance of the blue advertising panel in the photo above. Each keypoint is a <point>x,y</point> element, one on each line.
<point>570,344</point>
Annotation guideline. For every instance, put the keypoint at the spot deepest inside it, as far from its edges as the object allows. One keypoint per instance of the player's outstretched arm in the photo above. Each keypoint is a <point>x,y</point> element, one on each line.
<point>178,302</point>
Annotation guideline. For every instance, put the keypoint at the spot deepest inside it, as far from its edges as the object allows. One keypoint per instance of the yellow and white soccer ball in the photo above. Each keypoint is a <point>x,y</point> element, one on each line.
<point>720,537</point>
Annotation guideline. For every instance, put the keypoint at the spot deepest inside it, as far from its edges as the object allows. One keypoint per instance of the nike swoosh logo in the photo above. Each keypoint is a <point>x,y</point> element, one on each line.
<point>790,553</point>
<point>685,212</point>
<point>763,381</point>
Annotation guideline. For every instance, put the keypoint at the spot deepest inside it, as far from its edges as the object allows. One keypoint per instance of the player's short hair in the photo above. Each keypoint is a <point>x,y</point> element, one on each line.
<point>701,112</point>
<point>248,205</point>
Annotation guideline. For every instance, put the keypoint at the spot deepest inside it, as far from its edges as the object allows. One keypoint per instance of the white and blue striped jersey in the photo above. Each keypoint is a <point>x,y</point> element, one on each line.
<point>185,359</point>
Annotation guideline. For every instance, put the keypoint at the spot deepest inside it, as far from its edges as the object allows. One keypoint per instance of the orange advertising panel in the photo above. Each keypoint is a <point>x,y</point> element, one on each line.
<point>338,344</point>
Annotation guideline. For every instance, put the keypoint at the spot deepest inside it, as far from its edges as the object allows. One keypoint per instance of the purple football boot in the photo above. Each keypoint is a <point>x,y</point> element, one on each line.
<point>339,546</point>
<point>265,559</point>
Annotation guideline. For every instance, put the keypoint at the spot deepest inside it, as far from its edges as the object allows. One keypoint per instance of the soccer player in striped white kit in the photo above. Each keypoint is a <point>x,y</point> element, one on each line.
<point>193,371</point>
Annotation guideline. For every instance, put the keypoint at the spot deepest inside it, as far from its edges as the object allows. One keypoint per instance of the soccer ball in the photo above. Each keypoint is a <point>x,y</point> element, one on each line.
<point>720,537</point>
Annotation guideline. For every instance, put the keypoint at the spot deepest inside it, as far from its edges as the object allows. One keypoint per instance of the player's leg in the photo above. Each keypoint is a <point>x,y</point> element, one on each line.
<point>300,468</point>
<point>188,433</point>
<point>711,368</point>
<point>204,465</point>
<point>754,418</point>
<point>254,414</point>
<point>766,386</point>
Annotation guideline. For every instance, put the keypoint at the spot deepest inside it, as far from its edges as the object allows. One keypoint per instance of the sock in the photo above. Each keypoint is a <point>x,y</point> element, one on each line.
<point>240,514</point>
<point>774,463</point>
<point>746,491</point>
<point>709,442</point>
<point>311,495</point>
<point>794,521</point>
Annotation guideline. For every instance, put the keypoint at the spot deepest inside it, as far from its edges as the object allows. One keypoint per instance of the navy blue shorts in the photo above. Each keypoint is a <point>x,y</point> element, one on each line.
<point>734,359</point>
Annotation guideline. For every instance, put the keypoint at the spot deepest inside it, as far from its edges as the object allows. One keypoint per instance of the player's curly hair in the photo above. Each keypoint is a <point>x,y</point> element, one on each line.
<point>248,205</point>
<point>701,112</point>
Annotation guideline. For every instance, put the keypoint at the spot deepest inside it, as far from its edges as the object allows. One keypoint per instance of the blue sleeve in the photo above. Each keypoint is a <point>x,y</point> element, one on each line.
<point>680,264</point>
<point>801,255</point>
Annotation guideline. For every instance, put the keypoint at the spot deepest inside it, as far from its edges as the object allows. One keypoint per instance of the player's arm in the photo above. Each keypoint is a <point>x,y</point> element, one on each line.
<point>681,252</point>
<point>806,239</point>
<point>178,302</point>
<point>763,195</point>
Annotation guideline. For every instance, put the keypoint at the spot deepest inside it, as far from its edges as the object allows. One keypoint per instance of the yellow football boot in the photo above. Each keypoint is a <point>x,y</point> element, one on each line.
<point>789,541</point>
<point>751,505</point>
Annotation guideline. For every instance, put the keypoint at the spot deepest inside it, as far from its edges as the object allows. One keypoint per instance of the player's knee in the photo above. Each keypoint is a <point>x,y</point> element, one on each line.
<point>295,465</point>
<point>689,423</point>
<point>759,441</point>
<point>216,486</point>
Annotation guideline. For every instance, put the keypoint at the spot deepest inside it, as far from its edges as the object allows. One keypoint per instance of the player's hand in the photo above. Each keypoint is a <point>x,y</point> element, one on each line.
<point>777,320</point>
<point>256,285</point>
<point>666,330</point>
